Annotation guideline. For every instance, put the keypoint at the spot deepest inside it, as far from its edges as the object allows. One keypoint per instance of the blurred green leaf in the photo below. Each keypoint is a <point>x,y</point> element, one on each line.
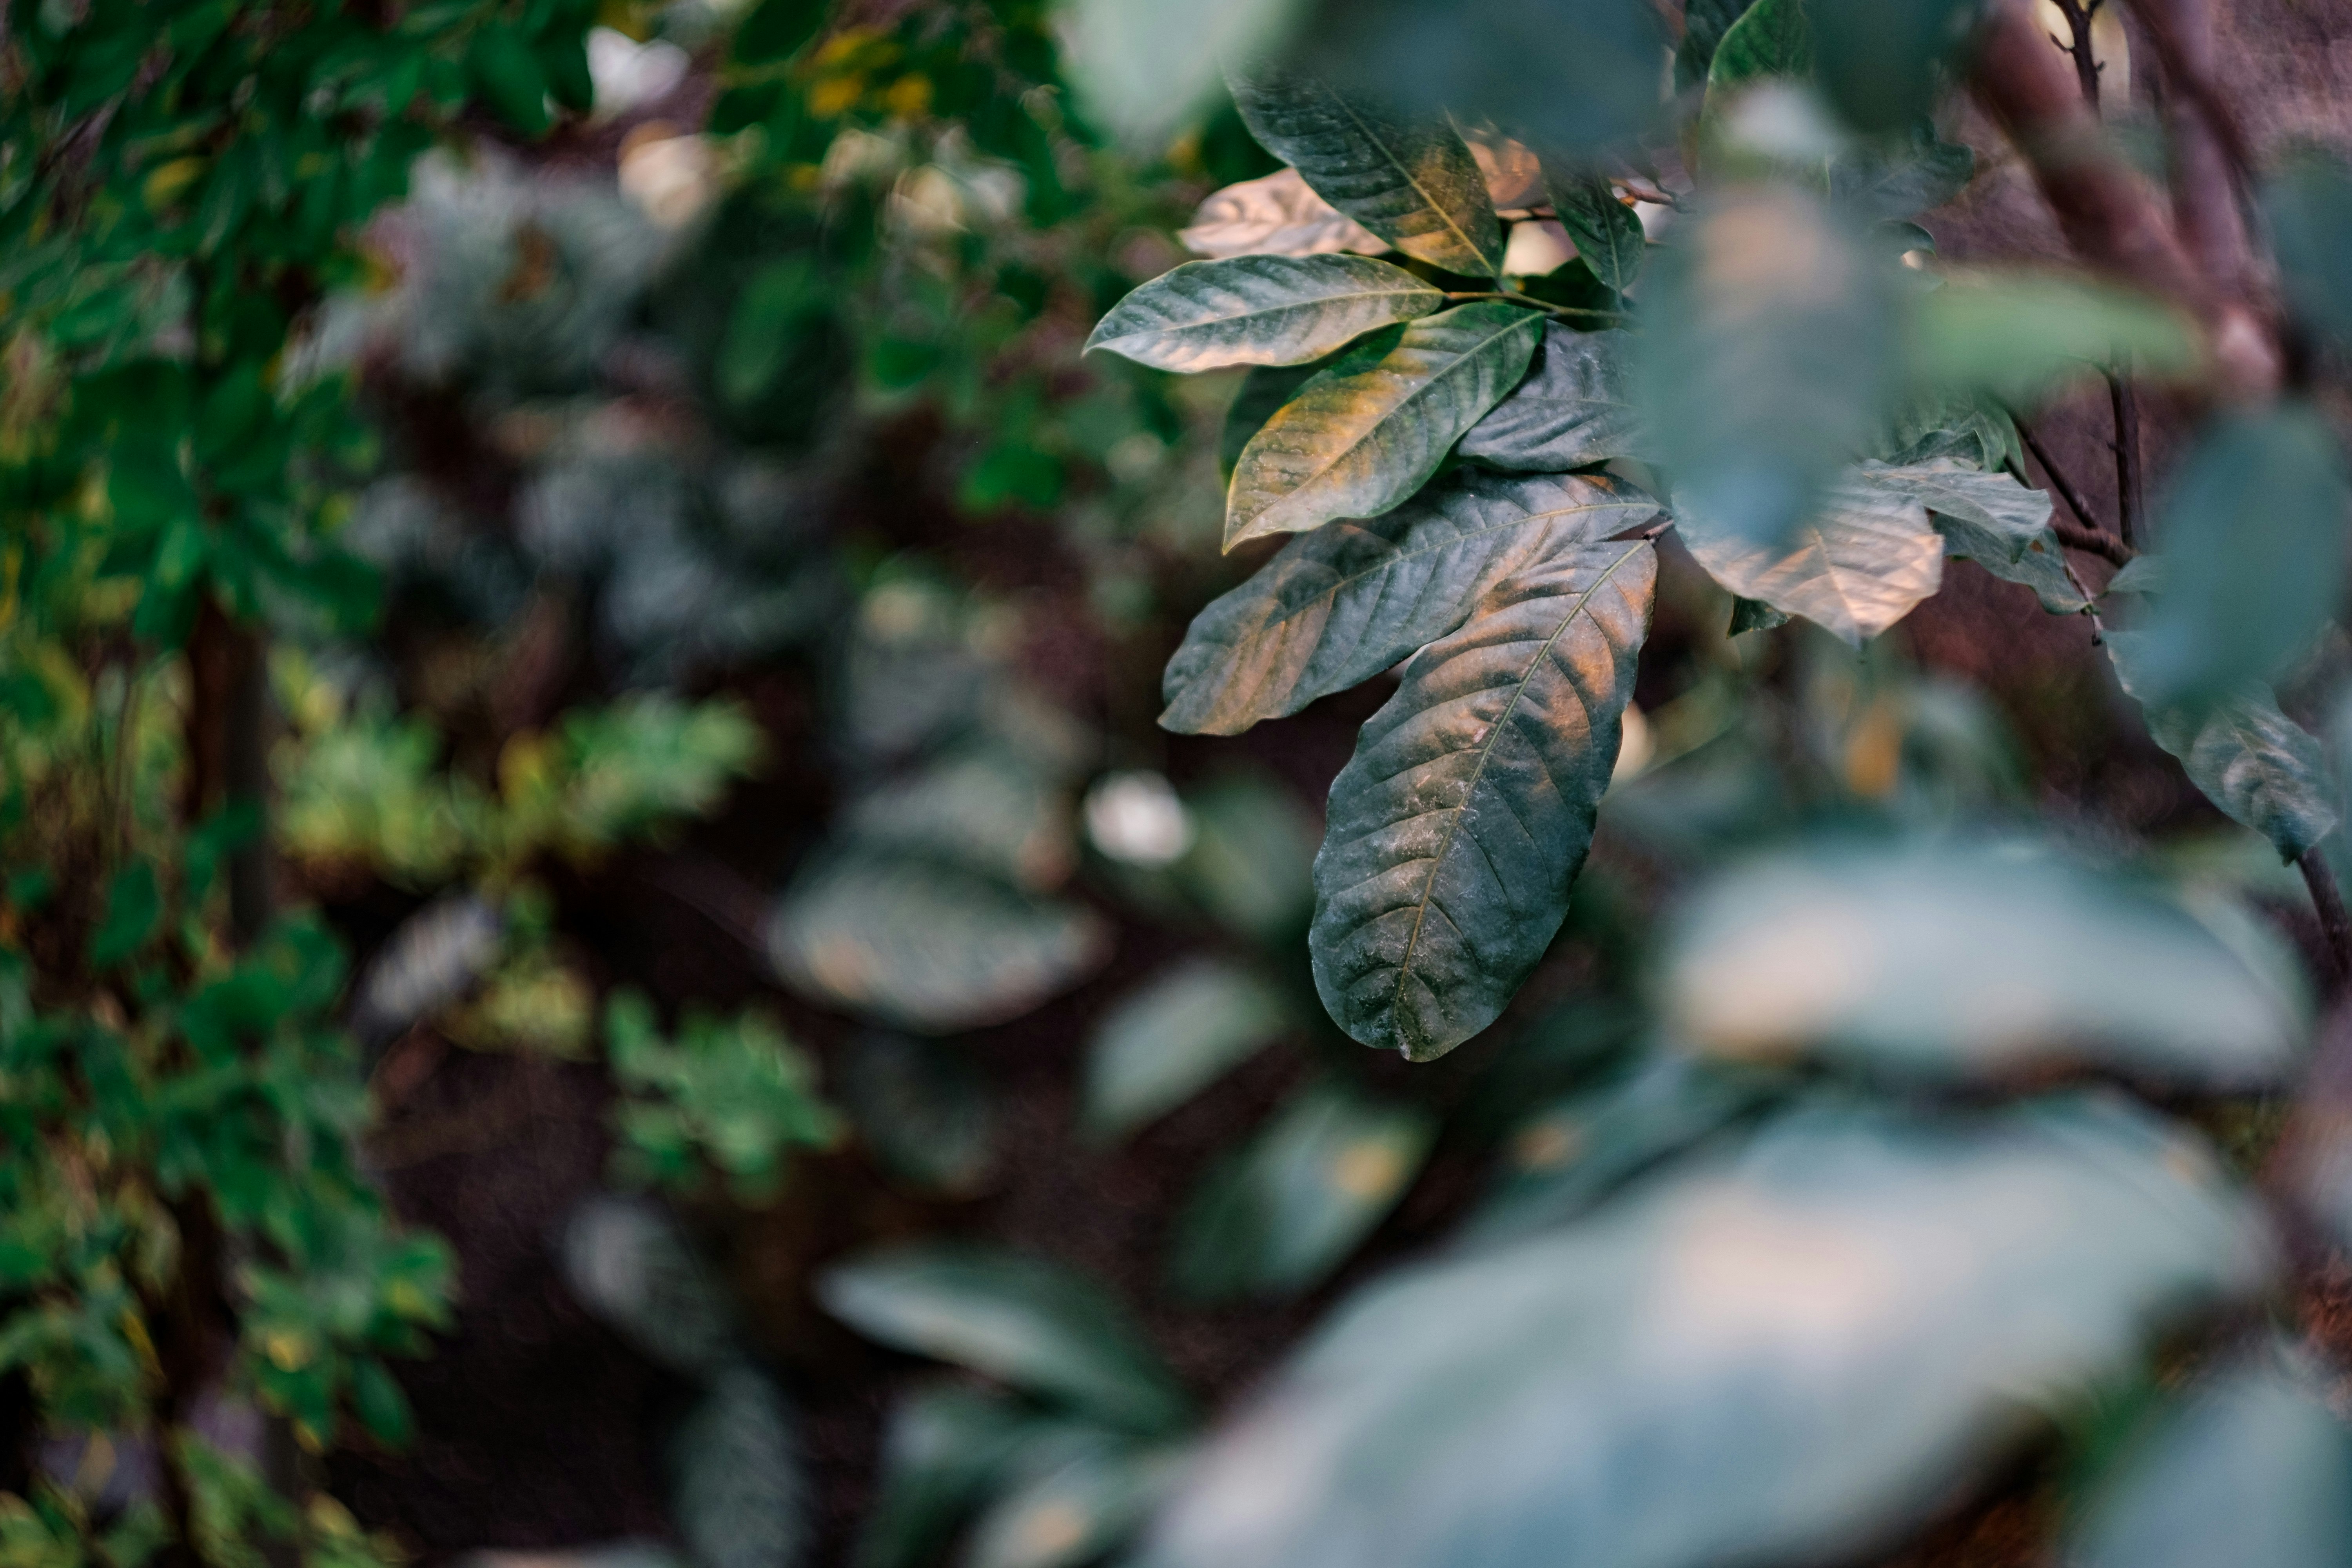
<point>776,30</point>
<point>1877,60</point>
<point>1084,1499</point>
<point>1028,1324</point>
<point>626,1261</point>
<point>1860,561</point>
<point>1900,174</point>
<point>134,907</point>
<point>1342,603</point>
<point>1825,1334</point>
<point>2021,336</point>
<point>739,1499</point>
<point>1960,963</point>
<point>944,1448</point>
<point>1251,864</point>
<point>1173,1037</point>
<point>1456,830</point>
<point>733,1096</point>
<point>925,1111</point>
<point>983,807</point>
<point>1277,1216</point>
<point>508,77</point>
<point>1603,229</point>
<point>784,300</point>
<point>1575,408</point>
<point>1771,38</point>
<point>2308,205</point>
<point>1992,519</point>
<point>1260,309</point>
<point>1143,65</point>
<point>1370,429</point>
<point>1705,22</point>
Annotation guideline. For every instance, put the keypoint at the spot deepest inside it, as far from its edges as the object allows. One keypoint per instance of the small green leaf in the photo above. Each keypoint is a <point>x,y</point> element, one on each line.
<point>776,30</point>
<point>1456,830</point>
<point>1367,432</point>
<point>1574,409</point>
<point>1260,309</point>
<point>134,907</point>
<point>1604,229</point>
<point>1771,38</point>
<point>1084,1494</point>
<point>1342,603</point>
<point>1856,565</point>
<point>1411,181</point>
<point>1174,1039</point>
<point>507,77</point>
<point>741,1500</point>
<point>1754,615</point>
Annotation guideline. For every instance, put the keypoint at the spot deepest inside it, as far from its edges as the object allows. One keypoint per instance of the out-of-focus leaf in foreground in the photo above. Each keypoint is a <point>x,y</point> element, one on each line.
<point>1080,1501</point>
<point>1779,1356</point>
<point>1174,1039</point>
<point>2021,336</point>
<point>1960,961</point>
<point>924,1110</point>
<point>2309,206</point>
<point>1143,65</point>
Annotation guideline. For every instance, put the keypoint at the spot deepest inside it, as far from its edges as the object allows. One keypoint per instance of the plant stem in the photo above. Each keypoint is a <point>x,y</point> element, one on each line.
<point>1529,300</point>
<point>2107,545</point>
<point>2328,899</point>
<point>2126,403</point>
<point>2086,59</point>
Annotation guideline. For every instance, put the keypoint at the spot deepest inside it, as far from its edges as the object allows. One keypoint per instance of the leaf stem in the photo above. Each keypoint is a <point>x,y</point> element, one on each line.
<point>2327,900</point>
<point>1515,297</point>
<point>2127,497</point>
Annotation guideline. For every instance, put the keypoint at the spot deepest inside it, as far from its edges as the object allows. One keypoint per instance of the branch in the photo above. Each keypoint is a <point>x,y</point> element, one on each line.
<point>2335,925</point>
<point>2095,542</point>
<point>2211,164</point>
<point>2057,476</point>
<point>2130,503</point>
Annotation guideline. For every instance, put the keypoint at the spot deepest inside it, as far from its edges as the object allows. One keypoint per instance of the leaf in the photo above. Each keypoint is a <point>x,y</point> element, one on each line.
<point>1260,309</point>
<point>1171,1039</point>
<point>1456,830</point>
<point>741,1500</point>
<point>2020,336</point>
<point>1970,963</point>
<point>1783,1356</point>
<point>982,806</point>
<point>1263,391</point>
<point>134,907</point>
<point>1275,215</point>
<point>1144,65</point>
<point>2308,204</point>
<point>1251,864</point>
<point>924,1110</point>
<point>1367,432</point>
<point>1277,1217</point>
<point>776,30</point>
<point>1341,605</point>
<point>1028,1324</point>
<point>1604,229</point>
<point>624,1260</point>
<point>1771,38</point>
<point>507,77</point>
<point>1574,409</point>
<point>1877,60</point>
<point>2262,769</point>
<point>2252,525</point>
<point>1754,615</point>
<point>1767,365</point>
<point>1902,175</point>
<point>2251,1468</point>
<point>946,1444</point>
<point>1082,1503</point>
<point>1855,566</point>
<point>1411,181</point>
<point>1991,519</point>
<point>925,946</point>
<point>1704,22</point>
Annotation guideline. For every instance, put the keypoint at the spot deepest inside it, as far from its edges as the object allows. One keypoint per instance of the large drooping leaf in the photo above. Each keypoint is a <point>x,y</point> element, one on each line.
<point>2251,1468</point>
<point>1260,309</point>
<point>2308,204</point>
<point>739,1499</point>
<point>1768,362</point>
<point>2020,336</point>
<point>2253,523</point>
<point>1604,229</point>
<point>1174,1039</point>
<point>1280,1213</point>
<point>925,945</point>
<point>1026,1322</point>
<point>2261,767</point>
<point>1370,429</point>
<point>1143,65</point>
<point>1409,179</point>
<point>1992,519</point>
<point>1960,961</point>
<point>1453,832</point>
<point>1575,408</point>
<point>1778,1357</point>
<point>1342,603</point>
<point>1858,563</point>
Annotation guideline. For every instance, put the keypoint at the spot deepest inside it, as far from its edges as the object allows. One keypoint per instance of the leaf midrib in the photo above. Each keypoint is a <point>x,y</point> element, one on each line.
<point>1380,145</point>
<point>1479,773</point>
<point>1315,303</point>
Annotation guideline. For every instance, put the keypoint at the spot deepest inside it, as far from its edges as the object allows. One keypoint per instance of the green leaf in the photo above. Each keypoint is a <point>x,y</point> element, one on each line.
<point>1145,65</point>
<point>626,1261</point>
<point>2308,207</point>
<point>1280,1215</point>
<point>1251,865</point>
<point>2261,768</point>
<point>1604,229</point>
<point>1260,309</point>
<point>1088,1492</point>
<point>2251,1468</point>
<point>134,907</point>
<point>1574,409</point>
<point>1263,391</point>
<point>2253,523</point>
<point>1772,38</point>
<point>1456,830</point>
<point>784,302</point>
<point>1342,603</point>
<point>1028,1324</point>
<point>924,1110</point>
<point>776,30</point>
<point>1410,180</point>
<point>923,945</point>
<point>1772,1358</point>
<point>1960,963</point>
<point>1767,363</point>
<point>981,805</point>
<point>1172,1038</point>
<point>2022,336</point>
<point>1705,22</point>
<point>739,1500</point>
<point>1877,60</point>
<point>507,76</point>
<point>1754,615</point>
<point>1991,519</point>
<point>945,1446</point>
<point>563,55</point>
<point>1902,175</point>
<point>1367,432</point>
<point>1856,565</point>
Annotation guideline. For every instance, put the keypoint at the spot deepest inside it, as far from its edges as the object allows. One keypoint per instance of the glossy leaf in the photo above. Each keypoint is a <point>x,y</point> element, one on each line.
<point>1992,519</point>
<point>1604,229</point>
<point>1369,430</point>
<point>1028,1324</point>
<point>1260,309</point>
<point>2253,523</point>
<point>1342,603</point>
<point>1856,565</point>
<point>1771,38</point>
<point>1411,180</point>
<point>1960,963</point>
<point>1704,22</point>
<point>1575,408</point>
<point>1174,1039</point>
<point>1778,1357</point>
<point>2261,768</point>
<point>1261,391</point>
<point>741,1500</point>
<point>1456,830</point>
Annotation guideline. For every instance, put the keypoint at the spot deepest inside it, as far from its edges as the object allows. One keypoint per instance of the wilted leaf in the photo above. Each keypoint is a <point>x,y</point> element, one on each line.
<point>1992,519</point>
<point>739,1500</point>
<point>1083,1501</point>
<point>928,946</point>
<point>1369,430</point>
<point>1781,1357</point>
<point>1277,1215</point>
<point>2261,768</point>
<point>1575,408</point>
<point>2252,525</point>
<point>2021,336</point>
<point>1411,180</point>
<point>1026,1322</point>
<point>1856,565</point>
<point>1275,215</point>
<point>1260,309</point>
<point>1145,64</point>
<point>626,1261</point>
<point>1604,229</point>
<point>1174,1039</point>
<point>1342,603</point>
<point>1959,963</point>
<point>924,1110</point>
<point>1456,830</point>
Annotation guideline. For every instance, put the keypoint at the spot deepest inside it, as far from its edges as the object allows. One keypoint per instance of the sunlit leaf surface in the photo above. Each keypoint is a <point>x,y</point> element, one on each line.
<point>1260,309</point>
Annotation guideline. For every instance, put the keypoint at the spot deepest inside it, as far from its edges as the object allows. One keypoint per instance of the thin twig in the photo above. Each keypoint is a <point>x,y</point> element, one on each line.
<point>2095,542</point>
<point>2328,899</point>
<point>2086,60</point>
<point>2057,477</point>
<point>2126,404</point>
